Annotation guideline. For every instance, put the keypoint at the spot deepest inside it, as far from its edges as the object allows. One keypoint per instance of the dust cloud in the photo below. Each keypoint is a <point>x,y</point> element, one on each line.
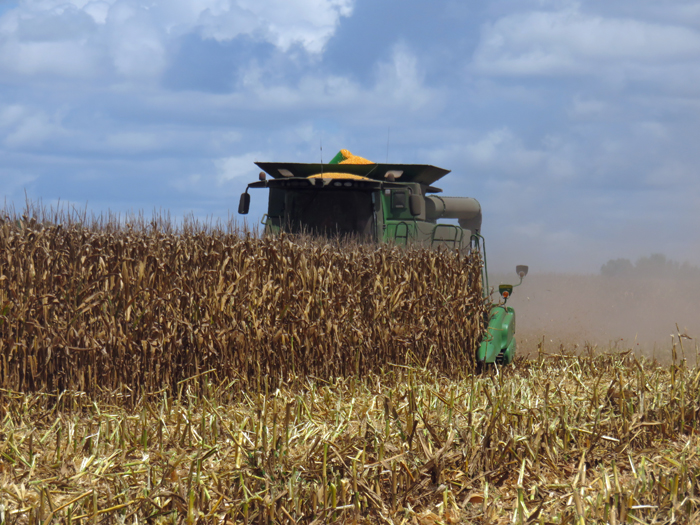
<point>611,311</point>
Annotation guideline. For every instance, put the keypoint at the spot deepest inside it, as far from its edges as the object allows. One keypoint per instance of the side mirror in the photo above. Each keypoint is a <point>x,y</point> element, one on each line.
<point>416,203</point>
<point>521,270</point>
<point>244,204</point>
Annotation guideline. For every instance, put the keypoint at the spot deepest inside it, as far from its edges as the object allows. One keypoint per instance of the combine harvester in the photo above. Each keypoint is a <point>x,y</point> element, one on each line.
<point>392,203</point>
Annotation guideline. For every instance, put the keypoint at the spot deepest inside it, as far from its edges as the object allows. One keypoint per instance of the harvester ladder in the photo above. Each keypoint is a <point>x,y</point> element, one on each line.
<point>401,237</point>
<point>456,240</point>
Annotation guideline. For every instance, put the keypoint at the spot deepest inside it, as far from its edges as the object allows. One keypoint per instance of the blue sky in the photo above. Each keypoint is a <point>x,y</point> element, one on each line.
<point>574,123</point>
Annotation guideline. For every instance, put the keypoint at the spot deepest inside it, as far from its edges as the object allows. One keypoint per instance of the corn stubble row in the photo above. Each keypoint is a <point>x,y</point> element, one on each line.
<point>563,439</point>
<point>102,308</point>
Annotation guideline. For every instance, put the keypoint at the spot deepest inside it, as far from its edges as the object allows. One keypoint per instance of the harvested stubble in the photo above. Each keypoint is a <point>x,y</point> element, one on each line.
<point>563,439</point>
<point>90,308</point>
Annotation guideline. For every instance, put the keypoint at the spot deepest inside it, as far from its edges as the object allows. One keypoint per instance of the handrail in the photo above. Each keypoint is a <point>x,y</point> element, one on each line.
<point>459,233</point>
<point>396,232</point>
<point>477,238</point>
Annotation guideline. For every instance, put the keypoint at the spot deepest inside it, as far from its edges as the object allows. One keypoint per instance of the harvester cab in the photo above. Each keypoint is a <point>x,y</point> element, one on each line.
<point>351,196</point>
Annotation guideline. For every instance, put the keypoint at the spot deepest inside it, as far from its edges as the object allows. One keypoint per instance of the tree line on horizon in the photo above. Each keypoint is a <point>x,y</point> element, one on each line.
<point>656,265</point>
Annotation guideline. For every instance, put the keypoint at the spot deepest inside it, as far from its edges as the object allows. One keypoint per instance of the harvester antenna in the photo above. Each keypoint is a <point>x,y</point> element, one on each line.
<point>321,146</point>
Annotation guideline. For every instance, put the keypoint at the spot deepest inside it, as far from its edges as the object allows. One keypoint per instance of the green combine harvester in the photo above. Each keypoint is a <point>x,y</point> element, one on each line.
<point>392,203</point>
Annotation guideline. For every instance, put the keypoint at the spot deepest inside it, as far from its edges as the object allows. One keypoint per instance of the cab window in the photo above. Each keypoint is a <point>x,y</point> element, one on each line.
<point>398,199</point>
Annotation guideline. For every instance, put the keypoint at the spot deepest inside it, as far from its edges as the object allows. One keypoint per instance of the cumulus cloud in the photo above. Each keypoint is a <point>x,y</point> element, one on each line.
<point>397,83</point>
<point>503,153</point>
<point>133,142</point>
<point>586,107</point>
<point>14,180</point>
<point>672,173</point>
<point>569,41</point>
<point>309,23</point>
<point>229,168</point>
<point>136,41</point>
<point>401,81</point>
<point>77,38</point>
<point>24,127</point>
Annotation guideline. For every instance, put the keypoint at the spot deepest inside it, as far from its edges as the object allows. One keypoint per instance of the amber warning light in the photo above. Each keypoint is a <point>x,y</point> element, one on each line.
<point>505,290</point>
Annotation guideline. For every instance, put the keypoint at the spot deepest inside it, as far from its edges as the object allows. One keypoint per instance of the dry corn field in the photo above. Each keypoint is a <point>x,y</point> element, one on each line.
<point>559,439</point>
<point>211,378</point>
<point>91,308</point>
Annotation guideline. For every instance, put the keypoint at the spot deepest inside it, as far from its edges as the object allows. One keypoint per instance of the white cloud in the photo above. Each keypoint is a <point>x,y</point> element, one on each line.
<point>98,11</point>
<point>189,184</point>
<point>284,23</point>
<point>13,181</point>
<point>48,38</point>
<point>503,150</point>
<point>137,42</point>
<point>653,131</point>
<point>22,127</point>
<point>570,41</point>
<point>132,142</point>
<point>672,174</point>
<point>505,163</point>
<point>486,150</point>
<point>230,168</point>
<point>398,83</point>
<point>11,114</point>
<point>72,38</point>
<point>64,59</point>
<point>401,81</point>
<point>57,24</point>
<point>584,107</point>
